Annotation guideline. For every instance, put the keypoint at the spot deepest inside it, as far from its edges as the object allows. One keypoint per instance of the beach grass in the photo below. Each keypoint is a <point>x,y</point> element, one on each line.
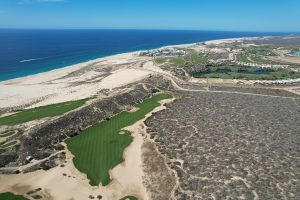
<point>41,112</point>
<point>100,147</point>
<point>11,196</point>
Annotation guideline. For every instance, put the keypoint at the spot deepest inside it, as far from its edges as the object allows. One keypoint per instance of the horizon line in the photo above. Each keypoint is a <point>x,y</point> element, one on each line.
<point>150,29</point>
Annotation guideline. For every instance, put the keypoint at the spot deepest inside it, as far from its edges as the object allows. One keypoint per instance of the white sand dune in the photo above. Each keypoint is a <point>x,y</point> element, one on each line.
<point>51,87</point>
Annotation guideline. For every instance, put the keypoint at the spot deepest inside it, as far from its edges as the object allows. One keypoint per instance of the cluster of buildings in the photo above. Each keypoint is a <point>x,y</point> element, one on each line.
<point>163,52</point>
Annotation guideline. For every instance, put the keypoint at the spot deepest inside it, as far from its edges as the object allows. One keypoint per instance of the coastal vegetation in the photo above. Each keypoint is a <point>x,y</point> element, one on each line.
<point>11,196</point>
<point>7,133</point>
<point>8,144</point>
<point>41,112</point>
<point>210,120</point>
<point>247,73</point>
<point>100,148</point>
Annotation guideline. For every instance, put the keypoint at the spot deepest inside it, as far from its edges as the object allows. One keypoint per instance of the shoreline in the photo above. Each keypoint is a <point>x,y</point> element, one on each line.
<point>155,164</point>
<point>70,68</point>
<point>83,80</point>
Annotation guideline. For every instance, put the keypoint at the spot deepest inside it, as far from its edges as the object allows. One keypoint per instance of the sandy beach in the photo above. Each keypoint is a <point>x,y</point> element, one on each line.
<point>81,80</point>
<point>71,83</point>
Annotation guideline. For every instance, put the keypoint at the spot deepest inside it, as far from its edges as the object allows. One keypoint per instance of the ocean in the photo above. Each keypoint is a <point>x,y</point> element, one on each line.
<point>25,52</point>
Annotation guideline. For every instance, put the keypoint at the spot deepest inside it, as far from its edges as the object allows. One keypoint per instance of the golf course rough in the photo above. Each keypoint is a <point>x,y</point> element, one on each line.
<point>100,147</point>
<point>41,112</point>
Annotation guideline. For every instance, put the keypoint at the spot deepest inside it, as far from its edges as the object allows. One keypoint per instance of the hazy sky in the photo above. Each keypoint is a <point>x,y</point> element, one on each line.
<point>236,15</point>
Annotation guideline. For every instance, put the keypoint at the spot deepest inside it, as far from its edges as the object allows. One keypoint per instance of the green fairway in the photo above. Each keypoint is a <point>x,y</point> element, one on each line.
<point>11,196</point>
<point>8,144</point>
<point>129,198</point>
<point>41,112</point>
<point>8,133</point>
<point>100,148</point>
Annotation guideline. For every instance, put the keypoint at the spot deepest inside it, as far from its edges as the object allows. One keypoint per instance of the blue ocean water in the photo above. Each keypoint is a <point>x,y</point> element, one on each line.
<point>25,52</point>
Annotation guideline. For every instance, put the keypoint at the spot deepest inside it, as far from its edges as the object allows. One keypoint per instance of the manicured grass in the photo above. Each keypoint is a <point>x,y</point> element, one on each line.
<point>247,73</point>
<point>100,148</point>
<point>129,198</point>
<point>8,144</point>
<point>41,112</point>
<point>11,196</point>
<point>7,134</point>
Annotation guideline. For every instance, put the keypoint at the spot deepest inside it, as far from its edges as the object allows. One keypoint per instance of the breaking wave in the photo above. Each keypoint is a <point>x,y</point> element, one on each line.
<point>32,59</point>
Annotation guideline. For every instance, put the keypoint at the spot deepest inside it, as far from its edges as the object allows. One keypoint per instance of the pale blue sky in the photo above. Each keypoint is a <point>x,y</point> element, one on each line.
<point>235,15</point>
